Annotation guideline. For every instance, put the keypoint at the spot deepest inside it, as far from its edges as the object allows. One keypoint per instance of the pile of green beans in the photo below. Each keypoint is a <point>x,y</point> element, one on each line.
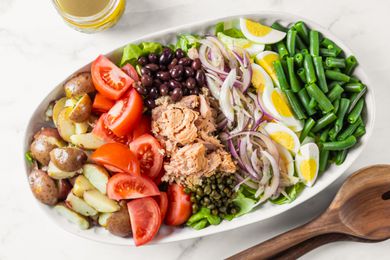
<point>317,79</point>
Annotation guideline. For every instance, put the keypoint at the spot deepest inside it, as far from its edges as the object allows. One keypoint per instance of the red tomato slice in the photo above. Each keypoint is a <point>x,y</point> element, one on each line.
<point>179,206</point>
<point>158,180</point>
<point>149,153</point>
<point>117,156</point>
<point>102,104</point>
<point>125,186</point>
<point>102,131</point>
<point>162,202</point>
<point>108,79</point>
<point>130,71</point>
<point>144,127</point>
<point>145,218</point>
<point>124,116</point>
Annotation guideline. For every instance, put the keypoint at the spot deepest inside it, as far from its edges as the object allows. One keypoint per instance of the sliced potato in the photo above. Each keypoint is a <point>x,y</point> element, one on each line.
<point>100,201</point>
<point>66,127</point>
<point>97,176</point>
<point>79,205</point>
<point>82,109</point>
<point>103,217</point>
<point>87,141</point>
<point>80,128</point>
<point>58,174</point>
<point>81,184</point>
<point>58,107</point>
<point>72,216</point>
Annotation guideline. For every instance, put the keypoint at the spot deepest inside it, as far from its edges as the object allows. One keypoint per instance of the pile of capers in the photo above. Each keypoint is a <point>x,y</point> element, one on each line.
<point>216,193</point>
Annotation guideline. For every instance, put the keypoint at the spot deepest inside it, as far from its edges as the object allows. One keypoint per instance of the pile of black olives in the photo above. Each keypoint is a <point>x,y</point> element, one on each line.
<point>169,73</point>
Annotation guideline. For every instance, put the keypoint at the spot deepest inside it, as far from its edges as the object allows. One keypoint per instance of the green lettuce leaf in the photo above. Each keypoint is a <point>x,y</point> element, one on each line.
<point>292,194</point>
<point>187,41</point>
<point>232,32</point>
<point>202,219</point>
<point>132,52</point>
<point>244,200</point>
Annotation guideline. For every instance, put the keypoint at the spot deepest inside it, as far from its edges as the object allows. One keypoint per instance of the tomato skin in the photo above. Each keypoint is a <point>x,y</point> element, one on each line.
<point>130,71</point>
<point>179,206</point>
<point>145,219</point>
<point>102,104</point>
<point>118,156</point>
<point>124,116</point>
<point>125,186</point>
<point>102,131</point>
<point>147,148</point>
<point>144,127</point>
<point>108,79</point>
<point>162,202</point>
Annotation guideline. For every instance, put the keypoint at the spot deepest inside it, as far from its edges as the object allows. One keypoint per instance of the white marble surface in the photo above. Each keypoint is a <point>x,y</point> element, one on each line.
<point>37,50</point>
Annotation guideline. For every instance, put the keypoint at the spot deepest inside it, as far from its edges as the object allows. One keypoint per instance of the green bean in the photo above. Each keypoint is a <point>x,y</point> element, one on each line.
<point>294,82</point>
<point>320,74</point>
<point>300,44</point>
<point>334,83</point>
<point>333,62</point>
<point>324,121</point>
<point>305,100</point>
<point>285,69</point>
<point>279,27</point>
<point>305,51</point>
<point>302,74</point>
<point>328,52</point>
<point>340,145</point>
<point>295,104</point>
<point>280,75</point>
<point>268,47</point>
<point>306,129</point>
<point>354,80</point>
<point>340,156</point>
<point>336,105</point>
<point>298,57</point>
<point>327,43</point>
<point>354,87</point>
<point>314,43</point>
<point>336,75</point>
<point>335,93</point>
<point>302,31</point>
<point>291,40</point>
<point>350,130</point>
<point>309,69</point>
<point>351,64</point>
<point>356,111</point>
<point>344,105</point>
<point>282,49</point>
<point>360,131</point>
<point>323,102</point>
<point>355,97</point>
<point>324,135</point>
<point>313,103</point>
<point>324,156</point>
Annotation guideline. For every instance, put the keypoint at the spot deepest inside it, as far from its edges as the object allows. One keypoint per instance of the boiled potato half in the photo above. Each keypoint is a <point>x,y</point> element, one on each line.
<point>100,201</point>
<point>79,205</point>
<point>68,159</point>
<point>72,216</point>
<point>58,174</point>
<point>103,217</point>
<point>58,107</point>
<point>81,110</point>
<point>119,222</point>
<point>81,185</point>
<point>79,85</point>
<point>97,176</point>
<point>87,141</point>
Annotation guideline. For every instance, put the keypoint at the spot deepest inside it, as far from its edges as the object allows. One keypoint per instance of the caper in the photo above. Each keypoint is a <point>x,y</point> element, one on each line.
<point>194,208</point>
<point>207,200</point>
<point>213,186</point>
<point>229,181</point>
<point>214,212</point>
<point>198,197</point>
<point>207,189</point>
<point>226,191</point>
<point>211,206</point>
<point>221,186</point>
<point>192,199</point>
<point>199,191</point>
<point>233,211</point>
<point>222,209</point>
<point>187,190</point>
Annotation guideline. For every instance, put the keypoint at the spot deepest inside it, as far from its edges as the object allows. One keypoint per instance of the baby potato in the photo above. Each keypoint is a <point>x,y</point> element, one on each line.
<point>79,85</point>
<point>81,110</point>
<point>79,205</point>
<point>100,202</point>
<point>119,222</point>
<point>80,185</point>
<point>81,221</point>
<point>43,187</point>
<point>58,107</point>
<point>87,141</point>
<point>66,127</point>
<point>64,187</point>
<point>44,141</point>
<point>55,173</point>
<point>68,159</point>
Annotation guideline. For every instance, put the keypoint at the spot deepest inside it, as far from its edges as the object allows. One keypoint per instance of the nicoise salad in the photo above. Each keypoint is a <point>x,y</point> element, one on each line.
<point>198,132</point>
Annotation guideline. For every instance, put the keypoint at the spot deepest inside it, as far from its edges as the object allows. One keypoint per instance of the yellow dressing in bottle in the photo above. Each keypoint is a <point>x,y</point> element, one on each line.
<point>90,15</point>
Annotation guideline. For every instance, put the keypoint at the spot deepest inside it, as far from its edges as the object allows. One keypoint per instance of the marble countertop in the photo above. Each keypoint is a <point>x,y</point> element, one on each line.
<point>37,50</point>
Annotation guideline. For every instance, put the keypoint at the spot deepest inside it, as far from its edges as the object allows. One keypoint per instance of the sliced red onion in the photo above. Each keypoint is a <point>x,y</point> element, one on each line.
<point>245,159</point>
<point>246,78</point>
<point>240,183</point>
<point>213,86</point>
<point>234,153</point>
<point>262,107</point>
<point>225,100</point>
<point>225,53</point>
<point>206,63</point>
<point>256,163</point>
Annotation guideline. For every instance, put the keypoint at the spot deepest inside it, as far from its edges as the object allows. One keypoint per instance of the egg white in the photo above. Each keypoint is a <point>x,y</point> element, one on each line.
<point>307,152</point>
<point>272,36</point>
<point>274,128</point>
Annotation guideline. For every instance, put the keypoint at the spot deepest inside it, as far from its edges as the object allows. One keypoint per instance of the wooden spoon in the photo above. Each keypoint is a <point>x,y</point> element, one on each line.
<point>361,209</point>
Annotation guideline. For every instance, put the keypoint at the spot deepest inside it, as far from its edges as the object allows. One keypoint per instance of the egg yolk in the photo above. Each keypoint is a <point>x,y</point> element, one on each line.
<point>257,29</point>
<point>284,139</point>
<point>267,63</point>
<point>280,104</point>
<point>308,169</point>
<point>258,80</point>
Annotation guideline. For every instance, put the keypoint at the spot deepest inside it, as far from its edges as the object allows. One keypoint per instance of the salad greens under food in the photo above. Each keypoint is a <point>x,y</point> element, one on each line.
<point>205,129</point>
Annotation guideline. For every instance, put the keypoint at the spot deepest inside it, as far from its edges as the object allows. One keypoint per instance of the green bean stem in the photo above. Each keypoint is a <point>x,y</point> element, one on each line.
<point>320,74</point>
<point>336,75</point>
<point>332,62</point>
<point>323,102</point>
<point>314,43</point>
<point>356,111</point>
<point>305,100</point>
<point>351,64</point>
<point>340,145</point>
<point>335,93</point>
<point>324,121</point>
<point>291,40</point>
<point>294,82</point>
<point>306,129</point>
<point>280,75</point>
<point>309,69</point>
<point>295,104</point>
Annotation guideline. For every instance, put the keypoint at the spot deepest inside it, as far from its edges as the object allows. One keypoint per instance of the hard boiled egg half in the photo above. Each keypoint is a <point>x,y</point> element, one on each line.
<point>307,163</point>
<point>241,43</point>
<point>266,59</point>
<point>259,33</point>
<point>260,79</point>
<point>277,105</point>
<point>283,135</point>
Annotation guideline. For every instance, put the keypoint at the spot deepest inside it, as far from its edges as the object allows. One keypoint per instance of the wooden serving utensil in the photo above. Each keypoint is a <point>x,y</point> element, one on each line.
<point>360,209</point>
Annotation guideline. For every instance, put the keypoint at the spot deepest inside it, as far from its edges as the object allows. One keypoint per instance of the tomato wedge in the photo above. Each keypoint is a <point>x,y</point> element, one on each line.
<point>145,218</point>
<point>102,104</point>
<point>108,79</point>
<point>130,71</point>
<point>179,206</point>
<point>162,202</point>
<point>117,157</point>
<point>123,186</point>
<point>149,153</point>
<point>124,116</point>
<point>106,134</point>
<point>144,127</point>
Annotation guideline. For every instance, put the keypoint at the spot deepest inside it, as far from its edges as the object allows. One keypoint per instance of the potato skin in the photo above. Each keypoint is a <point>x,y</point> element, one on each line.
<point>64,187</point>
<point>79,85</point>
<point>68,159</point>
<point>43,187</point>
<point>119,222</point>
<point>82,109</point>
<point>45,140</point>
